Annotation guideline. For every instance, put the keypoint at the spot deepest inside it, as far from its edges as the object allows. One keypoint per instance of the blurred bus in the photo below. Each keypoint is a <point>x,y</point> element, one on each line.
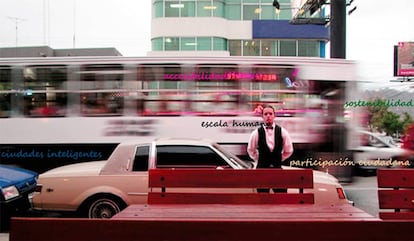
<point>56,111</point>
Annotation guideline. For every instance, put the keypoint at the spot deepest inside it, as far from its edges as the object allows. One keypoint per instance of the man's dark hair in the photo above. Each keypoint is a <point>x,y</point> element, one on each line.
<point>269,106</point>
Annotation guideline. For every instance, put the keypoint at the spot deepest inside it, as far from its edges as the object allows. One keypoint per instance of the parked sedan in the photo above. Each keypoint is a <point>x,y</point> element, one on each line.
<point>16,185</point>
<point>103,188</point>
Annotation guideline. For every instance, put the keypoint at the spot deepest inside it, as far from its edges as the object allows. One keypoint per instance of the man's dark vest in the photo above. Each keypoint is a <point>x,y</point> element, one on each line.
<point>267,157</point>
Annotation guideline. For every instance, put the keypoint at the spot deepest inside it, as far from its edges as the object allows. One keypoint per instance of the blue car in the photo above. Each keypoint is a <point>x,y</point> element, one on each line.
<point>16,184</point>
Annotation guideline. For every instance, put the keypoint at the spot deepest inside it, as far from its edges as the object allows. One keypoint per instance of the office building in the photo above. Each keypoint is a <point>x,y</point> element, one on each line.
<point>233,28</point>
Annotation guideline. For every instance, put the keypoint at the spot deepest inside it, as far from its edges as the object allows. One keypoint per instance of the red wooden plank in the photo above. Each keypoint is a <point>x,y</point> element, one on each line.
<point>39,229</point>
<point>291,209</point>
<point>230,198</point>
<point>259,213</point>
<point>403,199</point>
<point>390,178</point>
<point>230,178</point>
<point>248,216</point>
<point>397,215</point>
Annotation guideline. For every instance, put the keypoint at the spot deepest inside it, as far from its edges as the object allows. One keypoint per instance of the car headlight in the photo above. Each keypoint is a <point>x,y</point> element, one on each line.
<point>10,192</point>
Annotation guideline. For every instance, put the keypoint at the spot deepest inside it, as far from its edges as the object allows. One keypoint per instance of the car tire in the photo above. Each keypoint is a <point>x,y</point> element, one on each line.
<point>102,206</point>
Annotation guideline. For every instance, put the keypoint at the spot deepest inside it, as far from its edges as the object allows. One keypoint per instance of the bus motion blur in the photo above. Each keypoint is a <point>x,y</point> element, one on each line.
<point>56,111</point>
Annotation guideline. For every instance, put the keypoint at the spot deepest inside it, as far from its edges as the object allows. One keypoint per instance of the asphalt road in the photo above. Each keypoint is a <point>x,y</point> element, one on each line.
<point>364,192</point>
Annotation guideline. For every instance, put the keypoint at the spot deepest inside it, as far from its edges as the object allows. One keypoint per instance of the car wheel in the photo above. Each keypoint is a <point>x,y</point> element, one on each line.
<point>103,207</point>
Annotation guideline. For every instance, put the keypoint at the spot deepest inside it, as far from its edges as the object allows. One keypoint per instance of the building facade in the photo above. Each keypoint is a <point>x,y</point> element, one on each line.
<point>46,51</point>
<point>233,28</point>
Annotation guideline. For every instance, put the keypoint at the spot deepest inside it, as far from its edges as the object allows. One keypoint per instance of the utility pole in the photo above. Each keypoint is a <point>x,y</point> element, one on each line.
<point>338,29</point>
<point>74,24</point>
<point>16,22</point>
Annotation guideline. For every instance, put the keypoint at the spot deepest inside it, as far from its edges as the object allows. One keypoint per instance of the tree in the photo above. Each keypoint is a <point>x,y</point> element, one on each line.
<point>407,120</point>
<point>386,121</point>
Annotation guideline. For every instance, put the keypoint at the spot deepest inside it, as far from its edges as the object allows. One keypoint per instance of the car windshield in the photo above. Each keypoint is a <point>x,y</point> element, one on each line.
<point>390,141</point>
<point>237,161</point>
<point>374,140</point>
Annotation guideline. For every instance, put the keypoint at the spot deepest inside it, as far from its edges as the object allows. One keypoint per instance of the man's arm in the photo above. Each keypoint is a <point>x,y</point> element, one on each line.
<point>287,145</point>
<point>252,148</point>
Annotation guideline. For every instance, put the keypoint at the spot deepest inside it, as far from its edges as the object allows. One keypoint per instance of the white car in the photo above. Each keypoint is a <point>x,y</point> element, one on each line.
<point>103,188</point>
<point>376,151</point>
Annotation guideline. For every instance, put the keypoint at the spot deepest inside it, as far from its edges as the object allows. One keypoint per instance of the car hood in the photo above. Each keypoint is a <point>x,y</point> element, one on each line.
<point>79,169</point>
<point>14,175</point>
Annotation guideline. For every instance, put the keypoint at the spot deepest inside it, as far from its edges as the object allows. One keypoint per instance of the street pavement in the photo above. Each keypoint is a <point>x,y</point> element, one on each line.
<point>364,192</point>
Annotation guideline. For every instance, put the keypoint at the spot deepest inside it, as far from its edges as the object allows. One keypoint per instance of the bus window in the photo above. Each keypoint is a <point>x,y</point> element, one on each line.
<point>164,91</point>
<point>5,87</point>
<point>45,93</point>
<point>101,90</point>
<point>215,92</point>
<point>274,85</point>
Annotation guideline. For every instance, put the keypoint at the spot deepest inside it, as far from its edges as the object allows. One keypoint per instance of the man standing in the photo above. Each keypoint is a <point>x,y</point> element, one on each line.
<point>270,144</point>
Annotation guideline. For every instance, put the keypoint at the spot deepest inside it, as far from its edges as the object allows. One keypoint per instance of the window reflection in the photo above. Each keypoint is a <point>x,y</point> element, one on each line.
<point>45,90</point>
<point>101,89</point>
<point>154,89</point>
<point>5,84</point>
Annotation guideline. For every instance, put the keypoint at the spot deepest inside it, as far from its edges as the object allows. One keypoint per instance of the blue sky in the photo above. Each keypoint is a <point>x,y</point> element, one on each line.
<point>372,29</point>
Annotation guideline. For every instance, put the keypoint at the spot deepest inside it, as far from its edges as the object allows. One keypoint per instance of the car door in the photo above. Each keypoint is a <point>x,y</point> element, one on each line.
<point>135,181</point>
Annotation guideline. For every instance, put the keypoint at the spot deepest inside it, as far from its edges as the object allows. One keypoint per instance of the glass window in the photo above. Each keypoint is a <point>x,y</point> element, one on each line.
<point>308,48</point>
<point>47,81</point>
<point>287,47</point>
<point>210,95</point>
<point>204,43</point>
<point>218,8</point>
<point>251,48</point>
<point>188,44</point>
<point>166,88</point>
<point>251,12</point>
<point>269,48</point>
<point>204,9</point>
<point>268,77</point>
<point>268,12</point>
<point>284,14</point>
<point>158,8</point>
<point>5,85</point>
<point>371,140</point>
<point>183,156</point>
<point>172,8</point>
<point>172,44</point>
<point>189,9</point>
<point>157,44</point>
<point>235,47</point>
<point>219,44</point>
<point>233,10</point>
<point>286,9</point>
<point>141,159</point>
<point>99,85</point>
